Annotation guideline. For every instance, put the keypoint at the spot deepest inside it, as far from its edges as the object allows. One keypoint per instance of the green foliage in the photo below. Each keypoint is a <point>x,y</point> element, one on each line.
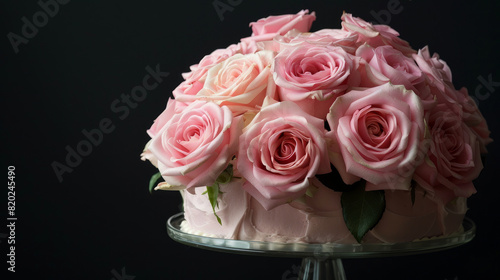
<point>362,209</point>
<point>153,180</point>
<point>213,191</point>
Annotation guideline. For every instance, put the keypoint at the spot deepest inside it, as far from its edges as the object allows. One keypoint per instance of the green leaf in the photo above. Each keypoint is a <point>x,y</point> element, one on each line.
<point>333,180</point>
<point>362,209</point>
<point>226,176</point>
<point>213,193</point>
<point>153,180</point>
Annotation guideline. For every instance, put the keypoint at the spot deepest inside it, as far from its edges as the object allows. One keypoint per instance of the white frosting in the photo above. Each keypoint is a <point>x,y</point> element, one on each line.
<point>317,219</point>
<point>233,203</point>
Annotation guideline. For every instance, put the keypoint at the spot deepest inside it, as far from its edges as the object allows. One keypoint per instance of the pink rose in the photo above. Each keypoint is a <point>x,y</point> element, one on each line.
<point>266,28</point>
<point>472,117</point>
<point>483,133</point>
<point>195,79</point>
<point>388,64</point>
<point>341,38</point>
<point>281,150</point>
<point>313,76</point>
<point>240,82</point>
<point>454,156</point>
<point>393,65</point>
<point>195,144</point>
<point>375,35</point>
<point>437,69</point>
<point>377,135</point>
<point>172,108</point>
<point>331,37</point>
<point>439,78</point>
<point>245,47</point>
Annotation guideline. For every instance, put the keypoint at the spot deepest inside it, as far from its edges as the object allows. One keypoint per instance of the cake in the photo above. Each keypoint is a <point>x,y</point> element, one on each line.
<point>319,219</point>
<point>335,136</point>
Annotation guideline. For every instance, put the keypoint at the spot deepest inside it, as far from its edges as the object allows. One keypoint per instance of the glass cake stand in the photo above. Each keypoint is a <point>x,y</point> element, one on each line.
<point>320,261</point>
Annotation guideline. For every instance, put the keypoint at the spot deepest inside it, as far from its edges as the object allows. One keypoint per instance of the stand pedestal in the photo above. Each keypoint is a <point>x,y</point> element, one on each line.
<point>315,269</point>
<point>320,261</point>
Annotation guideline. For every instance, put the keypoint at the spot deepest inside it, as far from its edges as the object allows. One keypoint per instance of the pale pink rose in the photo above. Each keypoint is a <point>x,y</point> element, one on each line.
<point>245,47</point>
<point>173,107</point>
<point>370,77</point>
<point>240,82</point>
<point>196,144</point>
<point>439,77</point>
<point>342,38</point>
<point>292,37</point>
<point>473,118</point>
<point>195,79</point>
<point>388,64</point>
<point>426,95</point>
<point>453,158</point>
<point>437,69</point>
<point>377,135</point>
<point>280,151</point>
<point>469,110</point>
<point>375,35</point>
<point>147,155</point>
<point>313,76</point>
<point>331,37</point>
<point>266,28</point>
<point>187,87</point>
<point>483,134</point>
<point>391,63</point>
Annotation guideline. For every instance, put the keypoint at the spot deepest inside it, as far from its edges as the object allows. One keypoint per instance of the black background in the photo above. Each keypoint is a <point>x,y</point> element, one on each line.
<point>101,218</point>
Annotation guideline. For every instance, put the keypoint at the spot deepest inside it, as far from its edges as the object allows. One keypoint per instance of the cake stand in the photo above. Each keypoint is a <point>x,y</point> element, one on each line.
<point>320,261</point>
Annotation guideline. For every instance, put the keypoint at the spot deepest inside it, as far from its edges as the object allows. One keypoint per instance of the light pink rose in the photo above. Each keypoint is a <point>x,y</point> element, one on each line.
<point>173,107</point>
<point>341,38</point>
<point>313,76</point>
<point>266,28</point>
<point>483,134</point>
<point>331,37</point>
<point>440,79</point>
<point>280,151</point>
<point>240,82</point>
<point>375,35</point>
<point>454,156</point>
<point>245,47</point>
<point>388,64</point>
<point>392,64</point>
<point>377,134</point>
<point>195,144</point>
<point>437,69</point>
<point>473,118</point>
<point>147,155</point>
<point>195,79</point>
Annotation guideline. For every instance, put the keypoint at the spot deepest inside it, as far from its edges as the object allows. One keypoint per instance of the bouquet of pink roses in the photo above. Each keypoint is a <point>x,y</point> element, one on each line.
<point>285,107</point>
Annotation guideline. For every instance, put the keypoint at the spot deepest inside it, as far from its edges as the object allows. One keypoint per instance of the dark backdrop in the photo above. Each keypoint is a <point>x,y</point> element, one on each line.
<point>99,221</point>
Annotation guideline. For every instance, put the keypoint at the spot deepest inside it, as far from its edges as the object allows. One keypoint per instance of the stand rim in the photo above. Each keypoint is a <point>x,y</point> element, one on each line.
<point>324,251</point>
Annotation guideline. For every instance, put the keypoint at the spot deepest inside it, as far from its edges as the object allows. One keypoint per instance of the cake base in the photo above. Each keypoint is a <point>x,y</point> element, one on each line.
<point>320,261</point>
<point>318,219</point>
